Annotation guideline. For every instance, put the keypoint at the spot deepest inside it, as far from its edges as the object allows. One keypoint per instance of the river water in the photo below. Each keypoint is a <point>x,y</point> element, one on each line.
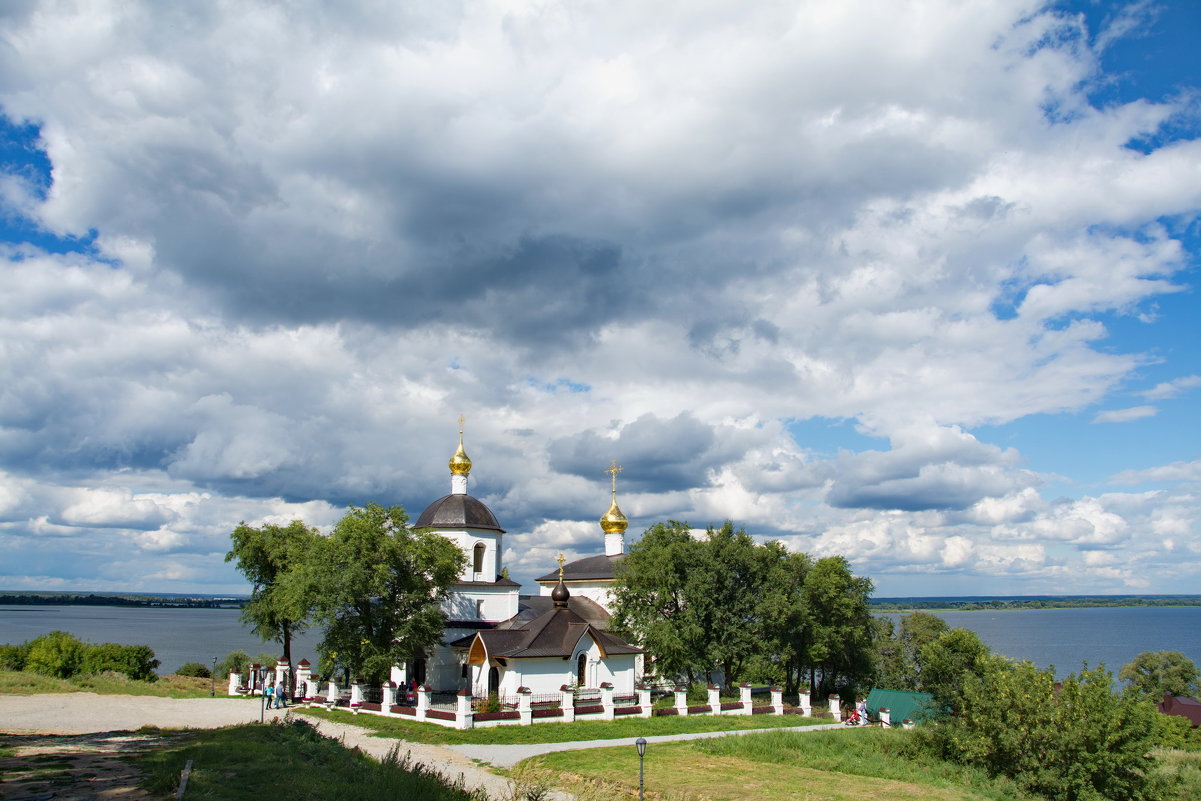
<point>1064,638</point>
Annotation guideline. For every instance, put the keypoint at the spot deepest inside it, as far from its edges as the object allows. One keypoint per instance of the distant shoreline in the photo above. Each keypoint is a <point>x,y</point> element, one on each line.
<point>1017,603</point>
<point>991,603</point>
<point>122,599</point>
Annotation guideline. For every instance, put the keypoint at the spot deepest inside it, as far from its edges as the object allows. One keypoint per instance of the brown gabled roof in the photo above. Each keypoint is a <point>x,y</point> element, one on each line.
<point>1182,706</point>
<point>590,568</point>
<point>555,632</point>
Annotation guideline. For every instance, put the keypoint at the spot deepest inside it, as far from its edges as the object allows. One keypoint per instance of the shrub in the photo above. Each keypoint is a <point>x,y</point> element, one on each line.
<point>12,657</point>
<point>57,654</point>
<point>194,669</point>
<point>234,662</point>
<point>135,661</point>
<point>1080,743</point>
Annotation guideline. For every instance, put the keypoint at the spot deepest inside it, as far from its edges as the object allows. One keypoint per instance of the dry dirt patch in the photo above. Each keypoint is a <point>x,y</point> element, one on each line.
<point>74,767</point>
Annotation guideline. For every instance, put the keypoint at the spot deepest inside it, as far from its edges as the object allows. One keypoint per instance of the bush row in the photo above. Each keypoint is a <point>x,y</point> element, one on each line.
<point>64,656</point>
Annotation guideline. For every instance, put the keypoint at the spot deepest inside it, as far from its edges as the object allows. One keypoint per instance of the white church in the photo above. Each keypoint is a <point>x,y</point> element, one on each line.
<point>496,639</point>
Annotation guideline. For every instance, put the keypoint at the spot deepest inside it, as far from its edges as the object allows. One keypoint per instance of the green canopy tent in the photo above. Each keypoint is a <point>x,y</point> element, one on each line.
<point>901,705</point>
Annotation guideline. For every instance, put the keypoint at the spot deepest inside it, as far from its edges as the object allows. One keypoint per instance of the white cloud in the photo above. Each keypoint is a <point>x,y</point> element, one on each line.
<point>599,233</point>
<point>1125,415</point>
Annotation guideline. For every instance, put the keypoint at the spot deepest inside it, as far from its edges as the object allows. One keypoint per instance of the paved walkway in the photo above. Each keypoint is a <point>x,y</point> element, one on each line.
<point>504,756</point>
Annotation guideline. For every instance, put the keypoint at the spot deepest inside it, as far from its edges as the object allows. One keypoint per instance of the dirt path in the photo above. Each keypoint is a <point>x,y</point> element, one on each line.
<point>74,767</point>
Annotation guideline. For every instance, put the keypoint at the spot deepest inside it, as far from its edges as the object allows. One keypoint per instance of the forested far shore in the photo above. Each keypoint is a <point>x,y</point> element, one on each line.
<point>118,599</point>
<point>1054,602</point>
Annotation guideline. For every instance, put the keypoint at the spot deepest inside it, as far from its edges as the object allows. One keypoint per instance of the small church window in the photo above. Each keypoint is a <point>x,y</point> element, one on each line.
<point>581,670</point>
<point>479,558</point>
<point>479,609</point>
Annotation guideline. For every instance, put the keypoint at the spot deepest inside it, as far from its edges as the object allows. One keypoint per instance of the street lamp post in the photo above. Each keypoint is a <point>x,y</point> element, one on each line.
<point>640,744</point>
<point>213,679</point>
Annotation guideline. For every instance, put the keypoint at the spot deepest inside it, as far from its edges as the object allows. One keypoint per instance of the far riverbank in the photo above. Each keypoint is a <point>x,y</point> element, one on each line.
<point>1002,603</point>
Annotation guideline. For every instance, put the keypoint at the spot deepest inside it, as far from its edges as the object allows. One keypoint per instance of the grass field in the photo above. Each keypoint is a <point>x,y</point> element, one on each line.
<point>830,766</point>
<point>417,732</point>
<point>21,683</point>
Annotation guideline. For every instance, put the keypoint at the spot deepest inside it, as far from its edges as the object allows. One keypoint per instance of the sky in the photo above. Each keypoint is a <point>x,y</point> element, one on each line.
<point>915,283</point>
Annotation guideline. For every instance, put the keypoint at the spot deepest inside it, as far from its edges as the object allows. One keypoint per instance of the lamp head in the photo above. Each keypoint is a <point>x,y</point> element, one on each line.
<point>640,743</point>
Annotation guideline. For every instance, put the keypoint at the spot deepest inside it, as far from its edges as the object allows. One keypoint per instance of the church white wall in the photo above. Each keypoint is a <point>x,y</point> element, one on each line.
<point>600,592</point>
<point>491,604</point>
<point>467,539</point>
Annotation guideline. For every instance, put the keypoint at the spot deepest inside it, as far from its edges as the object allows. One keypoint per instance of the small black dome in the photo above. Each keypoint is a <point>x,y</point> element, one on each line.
<point>458,511</point>
<point>560,594</point>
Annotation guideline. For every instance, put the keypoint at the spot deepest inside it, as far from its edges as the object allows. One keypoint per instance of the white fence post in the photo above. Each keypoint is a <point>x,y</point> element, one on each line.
<point>644,700</point>
<point>713,698</point>
<point>524,705</point>
<point>777,700</point>
<point>356,696</point>
<point>389,697</point>
<point>744,695</point>
<point>885,717</point>
<point>607,705</point>
<point>567,704</point>
<point>235,681</point>
<point>331,692</point>
<point>423,701</point>
<point>805,702</point>
<point>681,700</point>
<point>464,718</point>
<point>304,681</point>
<point>835,707</point>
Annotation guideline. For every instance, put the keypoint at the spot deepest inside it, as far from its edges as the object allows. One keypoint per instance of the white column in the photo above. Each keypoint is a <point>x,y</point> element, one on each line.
<point>331,692</point>
<point>885,717</point>
<point>744,695</point>
<point>644,701</point>
<point>235,681</point>
<point>777,701</point>
<point>389,699</point>
<point>714,699</point>
<point>356,696</point>
<point>464,718</point>
<point>304,681</point>
<point>524,705</point>
<point>906,724</point>
<point>805,702</point>
<point>568,703</point>
<point>423,701</point>
<point>835,707</point>
<point>682,700</point>
<point>607,704</point>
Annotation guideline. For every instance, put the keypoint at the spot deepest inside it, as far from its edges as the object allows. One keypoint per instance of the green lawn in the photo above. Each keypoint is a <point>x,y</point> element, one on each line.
<point>777,766</point>
<point>21,683</point>
<point>250,763</point>
<point>418,732</point>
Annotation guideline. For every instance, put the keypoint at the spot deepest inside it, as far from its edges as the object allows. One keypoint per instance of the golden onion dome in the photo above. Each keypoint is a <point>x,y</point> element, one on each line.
<point>614,522</point>
<point>460,465</point>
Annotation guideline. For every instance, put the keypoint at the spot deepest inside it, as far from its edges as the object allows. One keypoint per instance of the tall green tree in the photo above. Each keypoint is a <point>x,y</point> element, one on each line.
<point>265,555</point>
<point>949,663</point>
<point>839,628</point>
<point>651,601</point>
<point>377,586</point>
<point>780,616</point>
<point>1153,673</point>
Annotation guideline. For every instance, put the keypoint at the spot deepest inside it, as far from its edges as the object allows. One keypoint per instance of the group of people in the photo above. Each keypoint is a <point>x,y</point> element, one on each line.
<point>277,694</point>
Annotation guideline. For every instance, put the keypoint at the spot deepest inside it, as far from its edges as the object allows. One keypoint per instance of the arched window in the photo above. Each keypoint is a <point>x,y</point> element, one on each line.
<point>581,670</point>
<point>478,561</point>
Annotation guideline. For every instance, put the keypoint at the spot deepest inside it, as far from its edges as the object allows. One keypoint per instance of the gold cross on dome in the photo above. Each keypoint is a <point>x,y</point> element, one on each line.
<point>561,560</point>
<point>613,470</point>
<point>462,420</point>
